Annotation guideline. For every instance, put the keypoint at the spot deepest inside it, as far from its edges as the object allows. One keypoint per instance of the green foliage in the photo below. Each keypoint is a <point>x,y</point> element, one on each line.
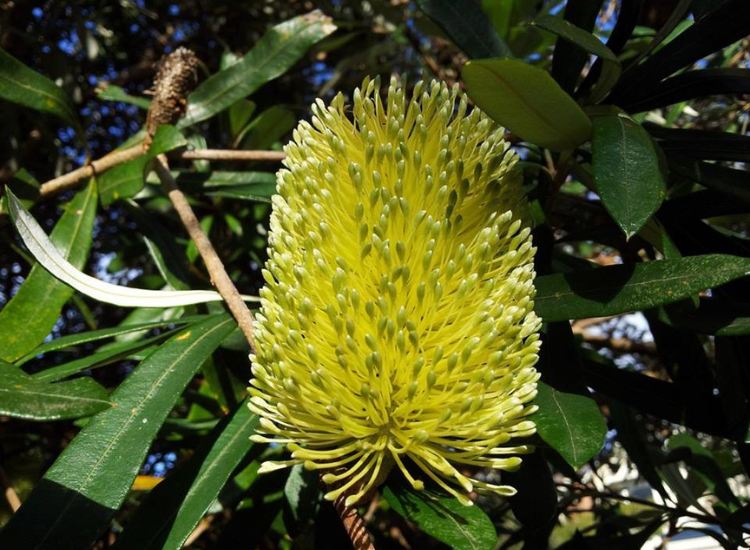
<point>634,141</point>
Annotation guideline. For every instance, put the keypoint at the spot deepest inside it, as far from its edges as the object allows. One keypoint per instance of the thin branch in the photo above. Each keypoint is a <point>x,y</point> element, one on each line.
<point>72,179</point>
<point>229,154</point>
<point>99,166</point>
<point>219,277</point>
<point>621,345</point>
<point>353,523</point>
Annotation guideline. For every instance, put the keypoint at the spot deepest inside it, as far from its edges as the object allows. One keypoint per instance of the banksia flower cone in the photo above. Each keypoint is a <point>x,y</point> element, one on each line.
<point>397,325</point>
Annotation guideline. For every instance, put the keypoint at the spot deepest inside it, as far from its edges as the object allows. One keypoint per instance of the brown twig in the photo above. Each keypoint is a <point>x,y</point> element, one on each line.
<point>72,179</point>
<point>622,345</point>
<point>219,277</point>
<point>11,497</point>
<point>229,154</point>
<point>353,523</point>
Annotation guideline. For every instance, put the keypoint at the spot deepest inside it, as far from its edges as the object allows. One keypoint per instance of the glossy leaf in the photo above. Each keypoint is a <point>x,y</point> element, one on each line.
<point>71,237</point>
<point>268,128</point>
<point>173,509</point>
<point>702,144</point>
<point>24,186</point>
<point>633,287</point>
<point>467,25</point>
<point>22,396</point>
<point>575,43</point>
<point>626,171</point>
<point>272,56</point>
<point>712,317</point>
<point>441,516</point>
<point>24,86</point>
<point>80,493</point>
<point>569,423</point>
<point>110,92</point>
<point>72,340</point>
<point>47,255</point>
<point>527,101</point>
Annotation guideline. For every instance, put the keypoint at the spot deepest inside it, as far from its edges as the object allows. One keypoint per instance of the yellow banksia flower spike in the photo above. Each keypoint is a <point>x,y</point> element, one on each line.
<point>397,325</point>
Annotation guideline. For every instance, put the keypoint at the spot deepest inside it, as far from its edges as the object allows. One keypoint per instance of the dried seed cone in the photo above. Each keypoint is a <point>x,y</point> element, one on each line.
<point>397,324</point>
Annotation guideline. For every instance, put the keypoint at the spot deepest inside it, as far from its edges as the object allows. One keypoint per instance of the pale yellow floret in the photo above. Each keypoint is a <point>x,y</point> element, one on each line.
<point>397,319</point>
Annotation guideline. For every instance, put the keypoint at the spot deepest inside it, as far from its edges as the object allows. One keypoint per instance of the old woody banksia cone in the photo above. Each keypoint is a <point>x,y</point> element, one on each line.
<point>397,324</point>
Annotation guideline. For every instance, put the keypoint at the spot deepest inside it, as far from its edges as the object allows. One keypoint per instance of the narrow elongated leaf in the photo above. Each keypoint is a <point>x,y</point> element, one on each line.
<point>467,25</point>
<point>626,171</point>
<point>272,56</point>
<point>48,256</point>
<point>36,306</point>
<point>535,504</point>
<point>105,356</point>
<point>618,289</point>
<point>80,493</point>
<point>691,85</point>
<point>571,34</point>
<point>441,516</point>
<point>702,144</point>
<point>24,86</point>
<point>173,509</point>
<point>115,93</point>
<point>725,25</point>
<point>569,423</point>
<point>735,183</point>
<point>712,317</point>
<point>528,102</point>
<point>72,340</point>
<point>568,60</point>
<point>22,396</point>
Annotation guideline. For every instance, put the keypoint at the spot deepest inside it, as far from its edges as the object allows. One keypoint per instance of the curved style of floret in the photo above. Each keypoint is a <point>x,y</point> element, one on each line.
<point>397,325</point>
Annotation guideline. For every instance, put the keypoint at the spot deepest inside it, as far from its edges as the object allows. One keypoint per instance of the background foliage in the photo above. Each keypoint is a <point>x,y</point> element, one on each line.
<point>125,428</point>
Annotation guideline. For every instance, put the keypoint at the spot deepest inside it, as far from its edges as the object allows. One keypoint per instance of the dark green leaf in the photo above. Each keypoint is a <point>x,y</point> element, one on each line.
<point>692,85</point>
<point>22,396</point>
<point>104,356</point>
<point>702,144</point>
<point>162,245</point>
<point>441,516</point>
<point>633,287</point>
<point>712,317</point>
<point>72,340</point>
<point>535,504</point>
<point>467,25</point>
<point>72,237</point>
<point>735,183</point>
<point>24,86</point>
<point>528,102</point>
<point>702,462</point>
<point>173,509</point>
<point>720,28</point>
<point>256,186</point>
<point>166,138</point>
<point>24,186</point>
<point>82,490</point>
<point>272,56</point>
<point>111,92</point>
<point>268,127</point>
<point>122,181</point>
<point>303,495</point>
<point>569,60</point>
<point>588,43</point>
<point>569,423</point>
<point>626,171</point>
